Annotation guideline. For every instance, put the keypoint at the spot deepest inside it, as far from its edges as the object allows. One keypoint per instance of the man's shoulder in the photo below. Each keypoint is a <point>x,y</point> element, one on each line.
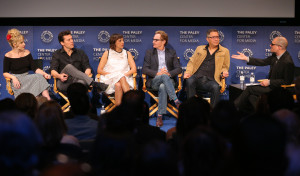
<point>58,51</point>
<point>80,51</point>
<point>288,57</point>
<point>222,48</point>
<point>150,50</point>
<point>171,50</point>
<point>201,47</point>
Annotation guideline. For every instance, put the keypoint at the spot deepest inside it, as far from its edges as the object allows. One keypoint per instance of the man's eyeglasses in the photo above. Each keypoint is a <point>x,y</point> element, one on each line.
<point>214,37</point>
<point>274,44</point>
<point>157,40</point>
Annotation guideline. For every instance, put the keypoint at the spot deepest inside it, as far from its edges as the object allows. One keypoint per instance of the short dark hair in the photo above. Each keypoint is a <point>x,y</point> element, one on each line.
<point>50,122</point>
<point>62,34</point>
<point>79,99</point>
<point>27,103</point>
<point>210,31</point>
<point>112,40</point>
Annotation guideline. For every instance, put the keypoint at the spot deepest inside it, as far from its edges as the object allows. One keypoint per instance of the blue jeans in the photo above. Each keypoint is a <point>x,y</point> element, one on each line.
<point>165,86</point>
<point>203,83</point>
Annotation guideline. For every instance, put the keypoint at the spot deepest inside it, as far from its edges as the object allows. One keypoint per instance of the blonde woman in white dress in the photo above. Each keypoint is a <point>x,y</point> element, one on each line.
<point>116,68</point>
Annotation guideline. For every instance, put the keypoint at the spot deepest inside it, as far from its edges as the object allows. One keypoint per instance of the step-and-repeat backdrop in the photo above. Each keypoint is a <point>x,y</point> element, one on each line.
<point>251,40</point>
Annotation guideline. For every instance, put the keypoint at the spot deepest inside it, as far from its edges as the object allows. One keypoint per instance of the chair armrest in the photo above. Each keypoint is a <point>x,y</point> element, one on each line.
<point>179,82</point>
<point>134,81</point>
<point>55,85</point>
<point>98,77</point>
<point>223,86</point>
<point>8,86</point>
<point>144,81</point>
<point>286,86</point>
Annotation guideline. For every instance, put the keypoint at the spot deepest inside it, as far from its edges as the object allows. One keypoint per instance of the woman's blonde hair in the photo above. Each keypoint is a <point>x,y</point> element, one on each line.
<point>14,36</point>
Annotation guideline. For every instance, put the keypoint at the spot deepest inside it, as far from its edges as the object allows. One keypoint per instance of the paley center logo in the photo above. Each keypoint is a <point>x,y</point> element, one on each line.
<point>46,68</point>
<point>188,53</point>
<point>134,53</point>
<point>274,34</point>
<point>46,36</point>
<point>103,36</point>
<point>247,52</point>
<point>221,34</point>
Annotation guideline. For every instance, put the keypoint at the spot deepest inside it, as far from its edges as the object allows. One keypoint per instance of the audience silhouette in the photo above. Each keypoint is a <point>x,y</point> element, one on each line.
<point>205,141</point>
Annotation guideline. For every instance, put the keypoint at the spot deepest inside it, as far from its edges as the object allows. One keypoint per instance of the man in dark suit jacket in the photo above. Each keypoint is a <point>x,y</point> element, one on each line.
<point>281,72</point>
<point>161,65</point>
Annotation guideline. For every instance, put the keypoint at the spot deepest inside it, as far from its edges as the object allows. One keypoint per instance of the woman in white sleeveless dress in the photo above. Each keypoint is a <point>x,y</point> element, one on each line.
<point>116,68</point>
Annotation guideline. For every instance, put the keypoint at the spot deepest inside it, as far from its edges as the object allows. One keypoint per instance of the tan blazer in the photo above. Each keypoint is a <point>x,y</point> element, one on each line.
<point>222,61</point>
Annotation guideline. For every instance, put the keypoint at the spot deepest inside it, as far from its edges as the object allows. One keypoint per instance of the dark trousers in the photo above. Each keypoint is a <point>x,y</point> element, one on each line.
<point>74,75</point>
<point>247,101</point>
<point>204,84</point>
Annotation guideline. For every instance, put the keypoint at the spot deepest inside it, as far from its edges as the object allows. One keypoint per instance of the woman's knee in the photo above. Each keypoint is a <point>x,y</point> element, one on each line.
<point>118,86</point>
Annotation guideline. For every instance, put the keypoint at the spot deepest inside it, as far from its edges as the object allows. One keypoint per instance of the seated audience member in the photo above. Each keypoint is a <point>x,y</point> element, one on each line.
<point>225,119</point>
<point>280,98</point>
<point>156,158</point>
<point>81,125</point>
<point>50,121</point>
<point>19,144</point>
<point>7,104</point>
<point>192,113</point>
<point>16,65</point>
<point>113,154</point>
<point>116,68</point>
<point>292,124</point>
<point>259,147</point>
<point>68,169</point>
<point>133,101</point>
<point>27,103</point>
<point>203,153</point>
<point>294,161</point>
<point>41,100</point>
<point>70,65</point>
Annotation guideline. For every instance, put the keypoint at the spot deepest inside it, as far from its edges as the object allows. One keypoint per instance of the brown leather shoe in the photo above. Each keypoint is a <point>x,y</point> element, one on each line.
<point>159,121</point>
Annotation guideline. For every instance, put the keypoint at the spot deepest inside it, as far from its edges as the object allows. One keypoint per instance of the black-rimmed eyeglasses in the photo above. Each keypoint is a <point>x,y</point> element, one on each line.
<point>214,37</point>
<point>274,44</point>
<point>157,40</point>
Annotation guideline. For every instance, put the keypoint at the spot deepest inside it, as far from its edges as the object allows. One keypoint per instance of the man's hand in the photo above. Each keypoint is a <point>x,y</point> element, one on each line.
<point>240,56</point>
<point>47,76</point>
<point>225,74</point>
<point>186,75</point>
<point>163,71</point>
<point>265,83</point>
<point>63,77</point>
<point>88,72</point>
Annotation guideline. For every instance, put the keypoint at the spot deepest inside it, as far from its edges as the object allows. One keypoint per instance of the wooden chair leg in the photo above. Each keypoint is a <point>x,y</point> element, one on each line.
<point>153,111</point>
<point>174,113</point>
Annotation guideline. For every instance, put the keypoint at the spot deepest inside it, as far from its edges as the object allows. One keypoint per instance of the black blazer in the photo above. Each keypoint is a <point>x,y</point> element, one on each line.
<point>150,66</point>
<point>281,72</point>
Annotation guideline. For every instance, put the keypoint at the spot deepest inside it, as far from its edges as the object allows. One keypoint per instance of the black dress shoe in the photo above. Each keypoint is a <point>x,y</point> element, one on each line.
<point>99,86</point>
